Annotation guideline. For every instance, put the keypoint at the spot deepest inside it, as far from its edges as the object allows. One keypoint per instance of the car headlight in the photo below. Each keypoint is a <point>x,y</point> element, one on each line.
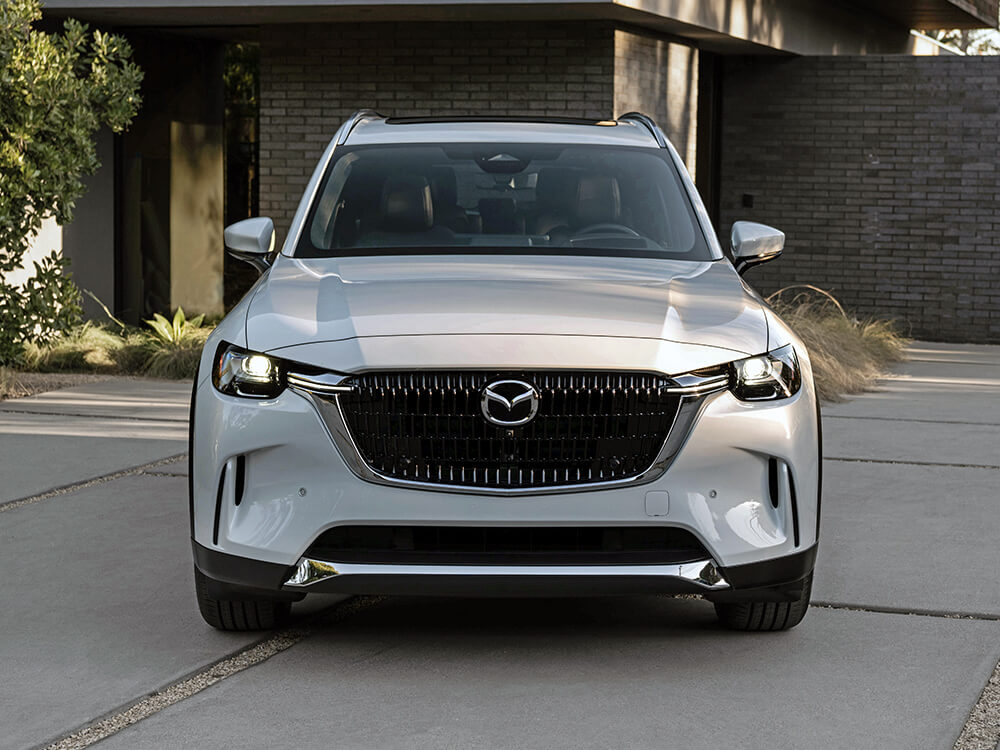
<point>770,376</point>
<point>238,372</point>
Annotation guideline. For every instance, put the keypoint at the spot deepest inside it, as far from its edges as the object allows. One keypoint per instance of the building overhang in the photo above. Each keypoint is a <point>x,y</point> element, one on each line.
<point>811,27</point>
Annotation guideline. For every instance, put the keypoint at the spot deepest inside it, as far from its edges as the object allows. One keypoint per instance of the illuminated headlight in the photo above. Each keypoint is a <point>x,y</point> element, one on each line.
<point>770,376</point>
<point>238,372</point>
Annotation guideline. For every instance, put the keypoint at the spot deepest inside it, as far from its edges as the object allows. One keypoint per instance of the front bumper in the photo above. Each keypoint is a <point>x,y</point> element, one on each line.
<point>267,480</point>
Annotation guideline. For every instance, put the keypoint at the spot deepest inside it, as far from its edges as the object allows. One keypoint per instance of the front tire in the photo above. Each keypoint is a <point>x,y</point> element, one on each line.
<point>238,614</point>
<point>764,616</point>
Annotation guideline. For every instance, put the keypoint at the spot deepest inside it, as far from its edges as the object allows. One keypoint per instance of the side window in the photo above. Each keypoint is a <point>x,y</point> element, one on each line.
<point>324,222</point>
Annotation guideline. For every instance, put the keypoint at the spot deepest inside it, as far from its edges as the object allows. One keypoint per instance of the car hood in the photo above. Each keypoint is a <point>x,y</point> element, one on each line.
<point>309,301</point>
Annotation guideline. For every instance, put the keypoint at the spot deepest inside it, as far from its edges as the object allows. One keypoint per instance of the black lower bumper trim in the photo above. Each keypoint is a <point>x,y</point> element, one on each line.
<point>233,577</point>
<point>755,580</point>
<point>775,572</point>
<point>779,579</point>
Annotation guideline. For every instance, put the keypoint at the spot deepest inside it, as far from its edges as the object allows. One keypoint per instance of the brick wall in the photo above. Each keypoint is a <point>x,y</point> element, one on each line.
<point>659,78</point>
<point>313,77</point>
<point>883,173</point>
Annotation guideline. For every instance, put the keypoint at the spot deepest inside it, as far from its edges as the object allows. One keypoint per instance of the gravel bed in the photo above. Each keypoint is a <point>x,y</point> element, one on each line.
<point>16,384</point>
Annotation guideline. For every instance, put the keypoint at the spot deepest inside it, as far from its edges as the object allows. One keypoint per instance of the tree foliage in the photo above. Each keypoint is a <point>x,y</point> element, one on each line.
<point>56,91</point>
<point>969,41</point>
<point>242,77</point>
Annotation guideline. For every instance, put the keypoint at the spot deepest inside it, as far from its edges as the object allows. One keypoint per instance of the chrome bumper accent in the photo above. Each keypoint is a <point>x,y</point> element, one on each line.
<point>326,383</point>
<point>695,385</point>
<point>702,573</point>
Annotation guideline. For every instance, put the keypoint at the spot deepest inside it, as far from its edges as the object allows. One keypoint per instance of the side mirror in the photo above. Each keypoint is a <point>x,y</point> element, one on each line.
<point>252,241</point>
<point>755,243</point>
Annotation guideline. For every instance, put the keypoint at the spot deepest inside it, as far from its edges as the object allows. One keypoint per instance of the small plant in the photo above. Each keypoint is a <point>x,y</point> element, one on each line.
<point>10,384</point>
<point>132,356</point>
<point>176,345</point>
<point>88,347</point>
<point>174,332</point>
<point>847,354</point>
<point>169,349</point>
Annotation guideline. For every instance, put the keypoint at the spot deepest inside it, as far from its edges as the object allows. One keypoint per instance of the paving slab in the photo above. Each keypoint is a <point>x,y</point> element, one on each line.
<point>984,354</point>
<point>99,605</point>
<point>636,673</point>
<point>125,398</point>
<point>930,442</point>
<point>901,399</point>
<point>942,382</point>
<point>959,375</point>
<point>41,452</point>
<point>910,537</point>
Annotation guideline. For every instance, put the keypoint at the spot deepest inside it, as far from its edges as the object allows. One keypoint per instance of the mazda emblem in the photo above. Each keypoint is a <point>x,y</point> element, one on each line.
<point>510,403</point>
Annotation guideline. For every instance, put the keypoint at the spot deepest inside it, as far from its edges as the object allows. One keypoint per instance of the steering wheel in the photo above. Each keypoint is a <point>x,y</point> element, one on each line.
<point>606,228</point>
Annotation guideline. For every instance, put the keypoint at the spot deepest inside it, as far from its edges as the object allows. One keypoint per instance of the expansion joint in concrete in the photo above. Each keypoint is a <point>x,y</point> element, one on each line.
<point>249,656</point>
<point>103,479</point>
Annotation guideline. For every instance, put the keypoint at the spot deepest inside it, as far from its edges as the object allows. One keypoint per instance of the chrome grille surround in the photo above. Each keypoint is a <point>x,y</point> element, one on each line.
<point>595,430</point>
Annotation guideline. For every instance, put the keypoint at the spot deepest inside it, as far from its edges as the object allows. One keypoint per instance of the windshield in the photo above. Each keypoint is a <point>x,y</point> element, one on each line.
<point>514,198</point>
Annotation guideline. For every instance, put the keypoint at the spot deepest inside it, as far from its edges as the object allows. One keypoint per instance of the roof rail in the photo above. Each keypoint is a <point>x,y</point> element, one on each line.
<point>498,118</point>
<point>353,121</point>
<point>650,124</point>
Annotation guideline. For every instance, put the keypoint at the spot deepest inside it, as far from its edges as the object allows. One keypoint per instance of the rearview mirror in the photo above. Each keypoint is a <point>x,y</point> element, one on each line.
<point>252,241</point>
<point>754,243</point>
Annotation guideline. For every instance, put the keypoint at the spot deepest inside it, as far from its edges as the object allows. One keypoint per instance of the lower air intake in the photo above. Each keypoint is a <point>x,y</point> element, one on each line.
<point>475,545</point>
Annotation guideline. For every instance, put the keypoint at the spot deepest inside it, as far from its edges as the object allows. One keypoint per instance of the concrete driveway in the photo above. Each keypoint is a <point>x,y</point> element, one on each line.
<point>102,641</point>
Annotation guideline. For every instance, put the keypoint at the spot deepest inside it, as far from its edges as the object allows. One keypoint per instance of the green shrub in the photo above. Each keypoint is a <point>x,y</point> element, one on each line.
<point>46,306</point>
<point>170,349</point>
<point>56,90</point>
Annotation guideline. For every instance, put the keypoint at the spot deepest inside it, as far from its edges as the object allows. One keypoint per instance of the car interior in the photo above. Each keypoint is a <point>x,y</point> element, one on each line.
<point>384,199</point>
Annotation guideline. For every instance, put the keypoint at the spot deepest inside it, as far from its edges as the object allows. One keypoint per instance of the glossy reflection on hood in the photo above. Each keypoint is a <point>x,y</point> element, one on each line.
<point>332,299</point>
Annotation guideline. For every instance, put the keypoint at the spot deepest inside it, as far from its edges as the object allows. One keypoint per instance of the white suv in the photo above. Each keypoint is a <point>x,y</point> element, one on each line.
<point>503,356</point>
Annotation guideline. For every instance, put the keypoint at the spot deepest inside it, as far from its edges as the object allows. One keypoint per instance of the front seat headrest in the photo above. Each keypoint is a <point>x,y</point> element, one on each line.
<point>598,200</point>
<point>555,188</point>
<point>406,204</point>
<point>444,186</point>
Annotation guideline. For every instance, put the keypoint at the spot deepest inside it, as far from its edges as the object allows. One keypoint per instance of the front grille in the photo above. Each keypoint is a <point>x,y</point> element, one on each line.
<point>488,545</point>
<point>429,427</point>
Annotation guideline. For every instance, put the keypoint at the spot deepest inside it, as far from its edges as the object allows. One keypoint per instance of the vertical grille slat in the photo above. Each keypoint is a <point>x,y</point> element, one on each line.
<point>590,426</point>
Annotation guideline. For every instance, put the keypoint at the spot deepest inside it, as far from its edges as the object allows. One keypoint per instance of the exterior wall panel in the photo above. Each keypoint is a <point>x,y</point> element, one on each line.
<point>196,247</point>
<point>883,173</point>
<point>982,9</point>
<point>659,78</point>
<point>314,77</point>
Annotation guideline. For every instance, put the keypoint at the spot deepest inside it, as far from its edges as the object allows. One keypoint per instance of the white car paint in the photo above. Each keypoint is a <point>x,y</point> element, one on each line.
<point>418,312</point>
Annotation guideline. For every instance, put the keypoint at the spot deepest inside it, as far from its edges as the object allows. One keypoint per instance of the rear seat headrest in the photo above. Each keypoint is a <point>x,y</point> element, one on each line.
<point>406,204</point>
<point>499,216</point>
